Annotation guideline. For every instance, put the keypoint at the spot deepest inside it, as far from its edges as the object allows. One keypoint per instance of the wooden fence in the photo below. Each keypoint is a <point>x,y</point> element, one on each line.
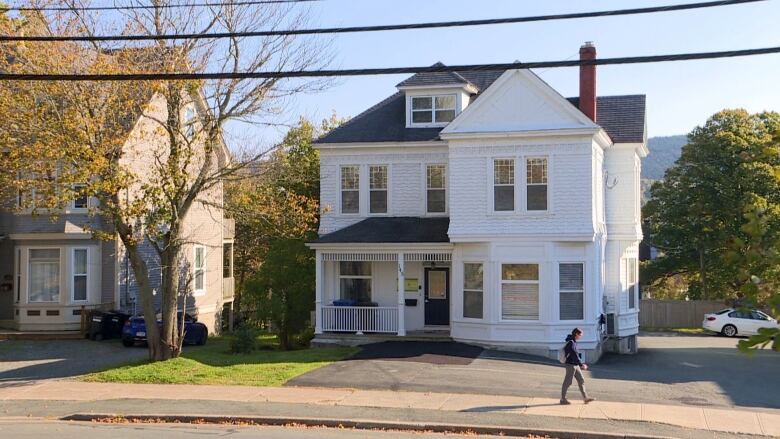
<point>676,313</point>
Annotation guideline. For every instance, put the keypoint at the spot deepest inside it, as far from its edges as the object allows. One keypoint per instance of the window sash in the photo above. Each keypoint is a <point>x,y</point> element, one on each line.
<point>227,260</point>
<point>436,192</point>
<point>350,189</point>
<point>44,275</point>
<point>520,291</point>
<point>631,280</point>
<point>433,109</point>
<point>503,185</point>
<point>200,268</point>
<point>80,201</point>
<point>355,281</point>
<point>80,276</point>
<point>377,189</point>
<point>473,290</point>
<point>571,291</point>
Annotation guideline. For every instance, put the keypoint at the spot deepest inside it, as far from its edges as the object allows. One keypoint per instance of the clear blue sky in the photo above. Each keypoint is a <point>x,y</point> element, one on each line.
<point>680,95</point>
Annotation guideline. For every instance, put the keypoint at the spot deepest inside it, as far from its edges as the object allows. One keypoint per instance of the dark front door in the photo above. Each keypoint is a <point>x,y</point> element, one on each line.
<point>437,296</point>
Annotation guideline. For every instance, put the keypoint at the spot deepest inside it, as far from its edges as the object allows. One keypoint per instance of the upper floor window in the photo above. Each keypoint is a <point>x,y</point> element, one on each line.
<point>378,189</point>
<point>436,199</point>
<point>350,189</point>
<point>433,109</point>
<point>227,260</point>
<point>504,185</point>
<point>536,184</point>
<point>81,200</point>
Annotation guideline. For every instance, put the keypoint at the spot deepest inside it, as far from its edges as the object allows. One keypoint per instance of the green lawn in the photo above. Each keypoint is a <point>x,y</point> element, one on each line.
<point>214,364</point>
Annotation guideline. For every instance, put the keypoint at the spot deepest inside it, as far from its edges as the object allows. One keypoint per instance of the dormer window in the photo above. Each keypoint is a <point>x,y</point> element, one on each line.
<point>433,109</point>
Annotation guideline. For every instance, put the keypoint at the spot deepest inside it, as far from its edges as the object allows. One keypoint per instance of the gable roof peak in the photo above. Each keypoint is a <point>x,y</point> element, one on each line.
<point>423,79</point>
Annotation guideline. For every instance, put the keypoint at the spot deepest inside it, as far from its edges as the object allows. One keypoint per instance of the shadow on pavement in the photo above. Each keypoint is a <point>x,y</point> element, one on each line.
<point>449,353</point>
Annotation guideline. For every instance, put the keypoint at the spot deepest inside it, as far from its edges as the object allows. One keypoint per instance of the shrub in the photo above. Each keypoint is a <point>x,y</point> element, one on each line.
<point>244,340</point>
<point>303,339</point>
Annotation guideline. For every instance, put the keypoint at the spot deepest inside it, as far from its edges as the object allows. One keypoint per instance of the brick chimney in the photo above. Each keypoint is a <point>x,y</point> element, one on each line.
<point>588,81</point>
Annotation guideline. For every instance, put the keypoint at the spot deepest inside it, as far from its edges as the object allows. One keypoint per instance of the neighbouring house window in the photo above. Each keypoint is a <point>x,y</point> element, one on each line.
<point>571,288</point>
<point>504,185</point>
<point>44,281</point>
<point>227,260</point>
<point>199,266</point>
<point>355,281</point>
<point>377,202</point>
<point>18,275</point>
<point>79,293</point>
<point>631,278</point>
<point>350,189</point>
<point>81,201</point>
<point>433,109</point>
<point>536,184</point>
<point>472,290</point>
<point>436,196</point>
<point>520,291</point>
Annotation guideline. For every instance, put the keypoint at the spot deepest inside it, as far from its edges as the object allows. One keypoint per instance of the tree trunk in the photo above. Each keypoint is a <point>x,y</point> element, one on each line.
<point>147,301</point>
<point>169,338</point>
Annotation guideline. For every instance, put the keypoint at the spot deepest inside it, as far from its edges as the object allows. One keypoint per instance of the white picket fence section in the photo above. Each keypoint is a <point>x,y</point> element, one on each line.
<point>360,319</point>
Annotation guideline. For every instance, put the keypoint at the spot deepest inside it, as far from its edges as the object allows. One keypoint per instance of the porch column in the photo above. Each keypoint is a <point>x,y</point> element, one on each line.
<point>318,293</point>
<point>401,302</point>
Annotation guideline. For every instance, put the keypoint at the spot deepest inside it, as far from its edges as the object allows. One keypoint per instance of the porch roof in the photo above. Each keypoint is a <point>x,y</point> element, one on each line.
<point>391,230</point>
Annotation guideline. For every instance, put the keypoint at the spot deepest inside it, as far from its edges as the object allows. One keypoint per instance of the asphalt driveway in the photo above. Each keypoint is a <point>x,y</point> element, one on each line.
<point>687,370</point>
<point>29,360</point>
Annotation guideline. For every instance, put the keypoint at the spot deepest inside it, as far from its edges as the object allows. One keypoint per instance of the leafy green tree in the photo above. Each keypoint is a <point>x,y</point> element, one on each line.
<point>716,215</point>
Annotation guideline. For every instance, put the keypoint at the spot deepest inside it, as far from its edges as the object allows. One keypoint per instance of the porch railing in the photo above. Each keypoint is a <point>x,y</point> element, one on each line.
<point>360,319</point>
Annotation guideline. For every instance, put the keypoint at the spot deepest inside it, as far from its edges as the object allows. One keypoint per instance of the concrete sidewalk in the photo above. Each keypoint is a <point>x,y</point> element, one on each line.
<point>764,422</point>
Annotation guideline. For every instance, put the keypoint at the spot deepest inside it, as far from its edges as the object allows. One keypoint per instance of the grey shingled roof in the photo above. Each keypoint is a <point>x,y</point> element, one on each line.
<point>622,117</point>
<point>434,78</point>
<point>391,230</point>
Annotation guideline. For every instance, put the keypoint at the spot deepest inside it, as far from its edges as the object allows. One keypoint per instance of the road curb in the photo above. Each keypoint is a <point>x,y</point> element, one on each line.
<point>359,424</point>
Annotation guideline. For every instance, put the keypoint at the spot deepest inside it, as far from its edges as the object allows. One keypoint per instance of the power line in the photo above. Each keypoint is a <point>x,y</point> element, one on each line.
<point>382,71</point>
<point>130,7</point>
<point>352,29</point>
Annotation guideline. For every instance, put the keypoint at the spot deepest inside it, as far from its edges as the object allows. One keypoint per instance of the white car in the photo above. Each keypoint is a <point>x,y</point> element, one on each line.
<point>732,322</point>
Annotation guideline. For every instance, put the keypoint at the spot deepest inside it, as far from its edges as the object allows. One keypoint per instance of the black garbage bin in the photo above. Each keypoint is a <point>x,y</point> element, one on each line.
<point>105,325</point>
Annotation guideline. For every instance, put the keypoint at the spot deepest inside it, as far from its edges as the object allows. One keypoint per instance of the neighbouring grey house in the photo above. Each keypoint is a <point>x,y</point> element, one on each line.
<point>50,271</point>
<point>485,207</point>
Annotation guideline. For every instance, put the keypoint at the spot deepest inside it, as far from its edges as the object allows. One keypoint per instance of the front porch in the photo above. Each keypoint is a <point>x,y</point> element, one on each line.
<point>380,294</point>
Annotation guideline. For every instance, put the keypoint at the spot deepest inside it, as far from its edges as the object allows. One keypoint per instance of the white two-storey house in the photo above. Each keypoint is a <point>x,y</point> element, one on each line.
<point>486,206</point>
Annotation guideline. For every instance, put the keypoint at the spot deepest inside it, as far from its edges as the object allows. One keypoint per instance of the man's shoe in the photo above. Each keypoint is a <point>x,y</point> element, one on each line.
<point>587,400</point>
<point>565,402</point>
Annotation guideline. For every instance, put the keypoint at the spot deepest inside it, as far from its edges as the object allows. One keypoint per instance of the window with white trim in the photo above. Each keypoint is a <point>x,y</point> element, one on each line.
<point>571,291</point>
<point>473,289</point>
<point>355,281</point>
<point>79,272</point>
<point>631,269</point>
<point>227,260</point>
<point>436,192</point>
<point>350,189</point>
<point>520,291</point>
<point>81,200</point>
<point>377,190</point>
<point>433,109</point>
<point>503,185</point>
<point>536,184</point>
<point>43,284</point>
<point>199,268</point>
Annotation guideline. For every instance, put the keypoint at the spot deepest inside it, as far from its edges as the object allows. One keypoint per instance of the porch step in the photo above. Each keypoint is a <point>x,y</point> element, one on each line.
<point>347,339</point>
<point>6,334</point>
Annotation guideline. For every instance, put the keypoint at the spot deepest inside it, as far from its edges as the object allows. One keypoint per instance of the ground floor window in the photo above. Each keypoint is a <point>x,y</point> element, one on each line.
<point>473,290</point>
<point>631,279</point>
<point>79,275</point>
<point>571,288</point>
<point>520,291</point>
<point>355,281</point>
<point>44,281</point>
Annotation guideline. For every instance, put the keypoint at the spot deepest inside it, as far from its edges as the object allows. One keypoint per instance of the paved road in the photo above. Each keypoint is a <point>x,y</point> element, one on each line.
<point>686,370</point>
<point>71,430</point>
<point>34,360</point>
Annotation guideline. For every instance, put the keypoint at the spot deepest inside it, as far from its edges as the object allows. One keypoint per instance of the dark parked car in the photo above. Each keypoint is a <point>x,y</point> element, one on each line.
<point>134,331</point>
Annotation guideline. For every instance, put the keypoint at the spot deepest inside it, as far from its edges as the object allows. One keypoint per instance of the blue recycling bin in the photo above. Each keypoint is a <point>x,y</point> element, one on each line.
<point>344,302</point>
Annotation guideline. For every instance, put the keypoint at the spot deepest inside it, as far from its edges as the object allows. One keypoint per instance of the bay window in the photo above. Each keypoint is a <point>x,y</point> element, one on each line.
<point>520,291</point>
<point>571,290</point>
<point>473,289</point>
<point>632,284</point>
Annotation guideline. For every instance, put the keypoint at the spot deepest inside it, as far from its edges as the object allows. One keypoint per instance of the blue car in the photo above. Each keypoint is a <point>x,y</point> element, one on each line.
<point>134,331</point>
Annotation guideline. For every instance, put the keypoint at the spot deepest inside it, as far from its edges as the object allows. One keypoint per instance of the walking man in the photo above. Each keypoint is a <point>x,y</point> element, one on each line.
<point>574,367</point>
